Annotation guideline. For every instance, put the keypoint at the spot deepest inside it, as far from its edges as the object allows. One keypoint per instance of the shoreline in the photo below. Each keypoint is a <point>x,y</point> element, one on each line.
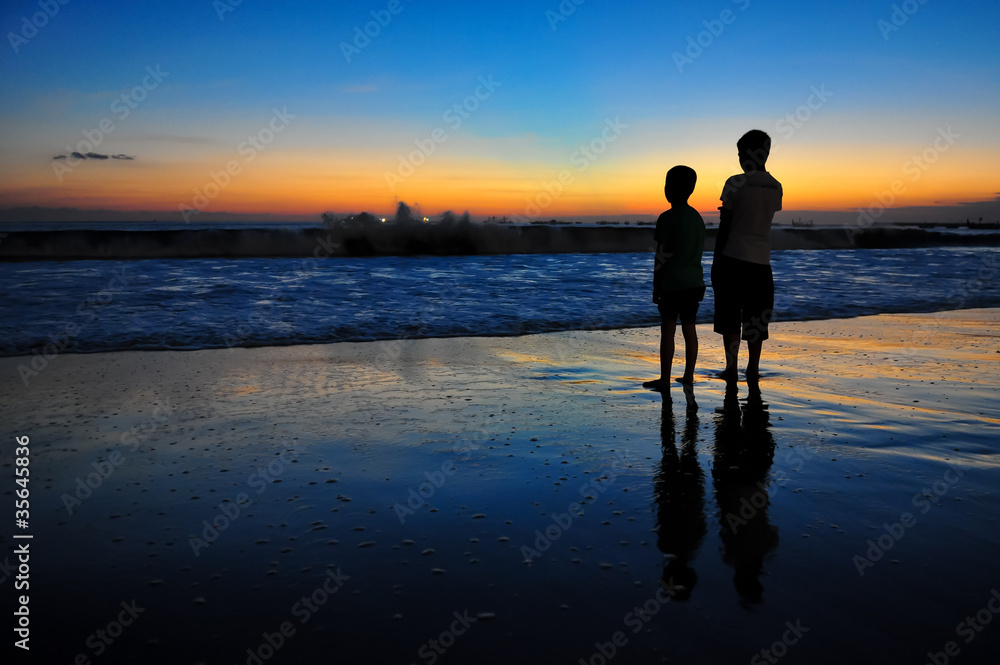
<point>412,480</point>
<point>938,313</point>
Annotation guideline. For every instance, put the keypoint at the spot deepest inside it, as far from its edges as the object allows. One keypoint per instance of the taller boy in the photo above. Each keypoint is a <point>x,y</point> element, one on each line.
<point>741,268</point>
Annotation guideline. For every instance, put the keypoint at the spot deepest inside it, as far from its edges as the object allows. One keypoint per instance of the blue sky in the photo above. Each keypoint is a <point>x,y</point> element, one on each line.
<point>557,85</point>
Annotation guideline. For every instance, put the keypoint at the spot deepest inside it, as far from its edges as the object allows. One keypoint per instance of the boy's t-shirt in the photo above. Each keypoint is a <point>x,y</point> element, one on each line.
<point>681,231</point>
<point>753,199</point>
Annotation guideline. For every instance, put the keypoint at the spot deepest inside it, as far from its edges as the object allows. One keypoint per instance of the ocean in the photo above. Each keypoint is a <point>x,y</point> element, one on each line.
<point>157,304</point>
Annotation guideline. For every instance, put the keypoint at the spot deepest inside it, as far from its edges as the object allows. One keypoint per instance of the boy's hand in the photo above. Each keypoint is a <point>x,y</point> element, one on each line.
<point>656,297</point>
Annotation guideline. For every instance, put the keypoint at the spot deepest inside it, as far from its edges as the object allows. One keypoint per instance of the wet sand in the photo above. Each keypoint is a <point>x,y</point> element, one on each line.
<point>498,500</point>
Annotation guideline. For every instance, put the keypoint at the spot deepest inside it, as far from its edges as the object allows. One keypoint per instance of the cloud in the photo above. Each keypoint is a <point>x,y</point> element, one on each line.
<point>93,155</point>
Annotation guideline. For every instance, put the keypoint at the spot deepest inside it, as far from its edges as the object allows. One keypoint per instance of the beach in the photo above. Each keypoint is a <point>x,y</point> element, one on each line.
<point>517,499</point>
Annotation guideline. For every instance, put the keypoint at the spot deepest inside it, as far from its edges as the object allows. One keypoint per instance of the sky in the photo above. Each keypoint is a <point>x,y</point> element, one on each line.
<point>538,109</point>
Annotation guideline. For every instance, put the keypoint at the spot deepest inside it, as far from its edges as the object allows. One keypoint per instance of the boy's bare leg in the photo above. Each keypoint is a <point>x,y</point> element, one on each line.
<point>753,364</point>
<point>666,357</point>
<point>690,333</point>
<point>731,341</point>
<point>667,331</point>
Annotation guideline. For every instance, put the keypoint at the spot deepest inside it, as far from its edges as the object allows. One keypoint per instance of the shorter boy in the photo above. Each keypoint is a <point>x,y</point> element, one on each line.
<point>678,279</point>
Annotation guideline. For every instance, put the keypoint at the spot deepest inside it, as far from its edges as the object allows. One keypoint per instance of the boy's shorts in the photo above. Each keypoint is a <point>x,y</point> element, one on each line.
<point>683,304</point>
<point>744,297</point>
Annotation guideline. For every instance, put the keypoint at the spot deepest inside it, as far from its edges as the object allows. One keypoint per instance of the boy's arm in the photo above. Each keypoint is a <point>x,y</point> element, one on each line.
<point>728,199</point>
<point>725,224</point>
<point>659,264</point>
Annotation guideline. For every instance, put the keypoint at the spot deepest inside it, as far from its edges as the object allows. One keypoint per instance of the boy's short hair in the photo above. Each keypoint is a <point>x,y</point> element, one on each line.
<point>682,180</point>
<point>757,144</point>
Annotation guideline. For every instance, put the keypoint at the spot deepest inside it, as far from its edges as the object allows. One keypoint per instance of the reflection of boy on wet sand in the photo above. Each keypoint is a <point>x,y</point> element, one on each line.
<point>744,452</point>
<point>741,270</point>
<point>679,489</point>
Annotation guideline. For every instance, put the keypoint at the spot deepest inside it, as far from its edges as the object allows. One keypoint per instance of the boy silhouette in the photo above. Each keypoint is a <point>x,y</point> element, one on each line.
<point>741,267</point>
<point>678,279</point>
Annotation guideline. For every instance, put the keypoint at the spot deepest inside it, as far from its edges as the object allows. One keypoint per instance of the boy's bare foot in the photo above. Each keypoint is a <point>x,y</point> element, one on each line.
<point>753,376</point>
<point>728,375</point>
<point>685,380</point>
<point>657,384</point>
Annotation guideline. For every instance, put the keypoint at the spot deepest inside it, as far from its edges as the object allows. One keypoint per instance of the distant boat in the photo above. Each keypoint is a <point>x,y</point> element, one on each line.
<point>802,222</point>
